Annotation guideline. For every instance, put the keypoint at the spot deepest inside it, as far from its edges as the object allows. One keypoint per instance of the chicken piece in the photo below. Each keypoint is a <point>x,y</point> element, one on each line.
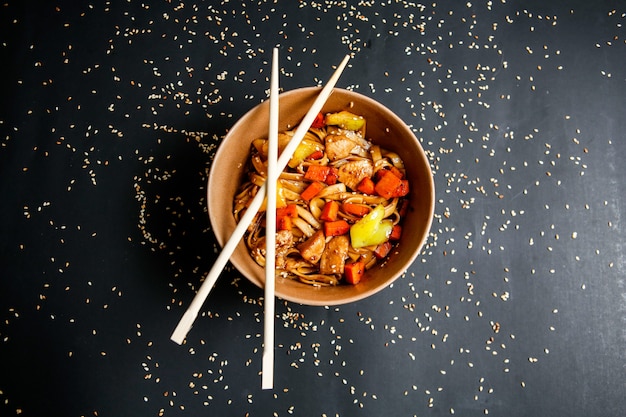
<point>284,242</point>
<point>312,248</point>
<point>334,256</point>
<point>258,251</point>
<point>351,173</point>
<point>361,145</point>
<point>338,146</point>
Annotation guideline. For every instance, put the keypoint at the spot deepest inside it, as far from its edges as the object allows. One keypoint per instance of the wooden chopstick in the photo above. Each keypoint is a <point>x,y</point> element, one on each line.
<point>270,231</point>
<point>185,323</point>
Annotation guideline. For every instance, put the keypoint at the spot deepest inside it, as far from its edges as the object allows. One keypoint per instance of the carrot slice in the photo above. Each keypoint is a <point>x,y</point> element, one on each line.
<point>290,210</point>
<point>312,190</point>
<point>336,228</point>
<point>379,174</point>
<point>366,186</point>
<point>358,210</point>
<point>402,189</point>
<point>333,176</point>
<point>322,173</point>
<point>404,208</point>
<point>395,171</point>
<point>382,250</point>
<point>283,223</point>
<point>330,210</point>
<point>396,232</point>
<point>316,173</point>
<point>353,272</point>
<point>387,185</point>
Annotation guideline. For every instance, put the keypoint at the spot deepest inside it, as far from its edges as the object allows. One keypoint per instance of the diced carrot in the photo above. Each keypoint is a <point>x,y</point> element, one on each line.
<point>336,228</point>
<point>395,171</point>
<point>402,189</point>
<point>283,223</point>
<point>333,176</point>
<point>366,186</point>
<point>318,123</point>
<point>330,210</point>
<point>290,210</point>
<point>396,232</point>
<point>382,250</point>
<point>316,155</point>
<point>379,174</point>
<point>312,190</point>
<point>358,210</point>
<point>353,272</point>
<point>404,208</point>
<point>322,173</point>
<point>387,185</point>
<point>316,173</point>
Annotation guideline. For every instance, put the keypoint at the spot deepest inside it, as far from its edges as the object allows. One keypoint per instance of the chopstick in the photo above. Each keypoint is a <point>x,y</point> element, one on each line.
<point>185,323</point>
<point>267,379</point>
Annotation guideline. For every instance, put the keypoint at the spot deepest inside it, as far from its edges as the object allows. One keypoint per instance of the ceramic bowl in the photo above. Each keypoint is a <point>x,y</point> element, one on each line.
<point>383,128</point>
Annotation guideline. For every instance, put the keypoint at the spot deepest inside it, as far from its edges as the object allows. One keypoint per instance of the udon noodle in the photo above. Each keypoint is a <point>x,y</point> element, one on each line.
<point>337,207</point>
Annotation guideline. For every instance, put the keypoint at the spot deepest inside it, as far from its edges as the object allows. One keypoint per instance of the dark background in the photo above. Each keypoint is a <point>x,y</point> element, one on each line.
<point>110,116</point>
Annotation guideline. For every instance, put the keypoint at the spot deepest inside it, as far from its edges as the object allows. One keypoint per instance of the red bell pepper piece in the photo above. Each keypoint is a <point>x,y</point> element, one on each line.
<point>318,123</point>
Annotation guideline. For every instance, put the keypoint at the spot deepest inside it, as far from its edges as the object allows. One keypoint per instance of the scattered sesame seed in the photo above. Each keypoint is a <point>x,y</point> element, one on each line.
<point>154,129</point>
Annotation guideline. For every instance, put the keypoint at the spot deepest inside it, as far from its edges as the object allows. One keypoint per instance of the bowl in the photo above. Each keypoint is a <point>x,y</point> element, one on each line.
<point>383,128</point>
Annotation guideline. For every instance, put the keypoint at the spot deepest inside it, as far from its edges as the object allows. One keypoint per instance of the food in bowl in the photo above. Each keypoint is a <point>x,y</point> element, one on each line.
<point>385,129</point>
<point>340,202</point>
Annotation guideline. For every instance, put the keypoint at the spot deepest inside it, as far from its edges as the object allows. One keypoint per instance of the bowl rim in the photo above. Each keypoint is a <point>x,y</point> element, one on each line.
<point>358,295</point>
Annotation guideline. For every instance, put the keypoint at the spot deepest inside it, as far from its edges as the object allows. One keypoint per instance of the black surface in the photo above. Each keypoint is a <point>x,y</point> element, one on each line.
<point>112,112</point>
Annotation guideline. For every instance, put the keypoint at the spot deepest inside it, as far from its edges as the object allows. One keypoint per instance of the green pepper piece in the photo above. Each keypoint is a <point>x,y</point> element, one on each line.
<point>372,229</point>
<point>345,120</point>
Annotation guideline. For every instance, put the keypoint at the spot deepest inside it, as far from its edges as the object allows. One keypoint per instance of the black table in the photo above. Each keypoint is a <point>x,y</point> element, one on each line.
<point>110,117</point>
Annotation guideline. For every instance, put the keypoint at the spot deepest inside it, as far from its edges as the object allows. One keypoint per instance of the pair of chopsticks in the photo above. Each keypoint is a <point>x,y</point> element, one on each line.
<point>275,167</point>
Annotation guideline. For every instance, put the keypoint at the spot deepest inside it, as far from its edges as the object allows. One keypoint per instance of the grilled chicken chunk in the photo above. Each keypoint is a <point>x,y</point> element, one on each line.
<point>352,172</point>
<point>338,146</point>
<point>284,241</point>
<point>334,256</point>
<point>312,248</point>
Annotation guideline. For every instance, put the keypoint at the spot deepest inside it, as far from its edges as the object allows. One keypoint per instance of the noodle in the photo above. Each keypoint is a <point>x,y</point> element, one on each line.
<point>308,249</point>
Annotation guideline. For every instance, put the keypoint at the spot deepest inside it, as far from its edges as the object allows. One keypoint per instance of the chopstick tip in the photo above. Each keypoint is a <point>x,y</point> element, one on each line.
<point>178,336</point>
<point>267,380</point>
<point>183,327</point>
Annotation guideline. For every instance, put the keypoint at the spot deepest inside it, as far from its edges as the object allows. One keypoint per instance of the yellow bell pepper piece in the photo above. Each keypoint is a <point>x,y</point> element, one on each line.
<point>281,200</point>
